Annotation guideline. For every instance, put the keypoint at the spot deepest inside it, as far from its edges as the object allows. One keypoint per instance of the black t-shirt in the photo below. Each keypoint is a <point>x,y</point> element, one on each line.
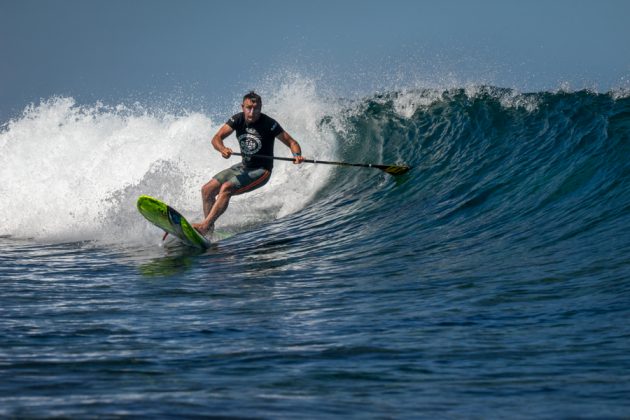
<point>256,139</point>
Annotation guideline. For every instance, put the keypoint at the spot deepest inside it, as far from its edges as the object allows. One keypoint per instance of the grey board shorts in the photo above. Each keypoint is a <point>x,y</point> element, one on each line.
<point>244,179</point>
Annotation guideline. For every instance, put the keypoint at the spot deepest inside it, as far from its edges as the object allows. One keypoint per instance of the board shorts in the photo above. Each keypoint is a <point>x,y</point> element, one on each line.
<point>244,179</point>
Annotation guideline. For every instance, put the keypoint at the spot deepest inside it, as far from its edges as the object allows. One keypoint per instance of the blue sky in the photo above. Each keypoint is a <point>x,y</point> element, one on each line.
<point>206,53</point>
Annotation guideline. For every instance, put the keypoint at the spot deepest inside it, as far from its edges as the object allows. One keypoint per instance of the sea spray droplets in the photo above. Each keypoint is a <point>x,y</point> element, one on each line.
<point>60,161</point>
<point>68,170</point>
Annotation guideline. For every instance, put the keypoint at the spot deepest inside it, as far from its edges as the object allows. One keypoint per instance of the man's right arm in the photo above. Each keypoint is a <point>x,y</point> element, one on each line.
<point>217,140</point>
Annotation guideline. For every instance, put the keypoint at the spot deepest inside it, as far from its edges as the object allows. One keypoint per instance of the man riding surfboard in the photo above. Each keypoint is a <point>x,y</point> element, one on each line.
<point>256,133</point>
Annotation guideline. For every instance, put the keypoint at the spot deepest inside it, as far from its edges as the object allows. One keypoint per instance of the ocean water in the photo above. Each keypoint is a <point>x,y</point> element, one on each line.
<point>492,280</point>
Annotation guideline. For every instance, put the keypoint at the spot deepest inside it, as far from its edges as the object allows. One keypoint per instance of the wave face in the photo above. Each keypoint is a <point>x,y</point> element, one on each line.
<point>503,183</point>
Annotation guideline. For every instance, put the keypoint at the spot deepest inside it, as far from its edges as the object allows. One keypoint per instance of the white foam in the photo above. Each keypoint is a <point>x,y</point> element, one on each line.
<point>407,102</point>
<point>74,172</point>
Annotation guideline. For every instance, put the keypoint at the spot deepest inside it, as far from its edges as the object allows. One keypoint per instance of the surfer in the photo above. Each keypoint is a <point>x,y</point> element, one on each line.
<point>255,133</point>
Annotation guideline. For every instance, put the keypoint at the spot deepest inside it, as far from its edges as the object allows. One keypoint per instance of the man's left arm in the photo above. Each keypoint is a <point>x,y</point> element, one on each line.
<point>292,144</point>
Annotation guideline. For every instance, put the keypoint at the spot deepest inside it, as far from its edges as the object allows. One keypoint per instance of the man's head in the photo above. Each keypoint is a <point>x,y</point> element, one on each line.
<point>252,105</point>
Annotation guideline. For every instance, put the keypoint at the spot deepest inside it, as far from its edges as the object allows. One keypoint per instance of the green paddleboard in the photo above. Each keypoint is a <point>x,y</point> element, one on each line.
<point>170,220</point>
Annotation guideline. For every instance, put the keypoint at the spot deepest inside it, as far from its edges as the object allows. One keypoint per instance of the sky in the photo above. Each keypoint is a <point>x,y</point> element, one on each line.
<point>205,54</point>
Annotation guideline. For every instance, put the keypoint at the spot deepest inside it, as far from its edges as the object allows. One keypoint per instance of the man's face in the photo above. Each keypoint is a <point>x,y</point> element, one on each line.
<point>251,110</point>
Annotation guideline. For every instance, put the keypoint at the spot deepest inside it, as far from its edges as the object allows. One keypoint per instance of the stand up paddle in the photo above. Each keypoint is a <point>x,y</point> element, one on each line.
<point>390,169</point>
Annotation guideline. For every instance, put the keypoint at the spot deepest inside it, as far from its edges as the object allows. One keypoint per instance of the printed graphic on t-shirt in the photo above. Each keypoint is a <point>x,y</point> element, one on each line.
<point>250,141</point>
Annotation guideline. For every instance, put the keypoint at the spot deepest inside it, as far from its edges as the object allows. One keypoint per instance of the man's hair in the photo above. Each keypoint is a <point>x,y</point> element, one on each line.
<point>252,96</point>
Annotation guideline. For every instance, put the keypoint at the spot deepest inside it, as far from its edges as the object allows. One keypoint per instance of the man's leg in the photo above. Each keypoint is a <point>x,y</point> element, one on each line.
<point>217,192</point>
<point>208,195</point>
<point>220,203</point>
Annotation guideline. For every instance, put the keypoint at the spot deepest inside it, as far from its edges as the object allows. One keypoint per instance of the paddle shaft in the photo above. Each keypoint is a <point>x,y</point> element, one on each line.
<point>390,169</point>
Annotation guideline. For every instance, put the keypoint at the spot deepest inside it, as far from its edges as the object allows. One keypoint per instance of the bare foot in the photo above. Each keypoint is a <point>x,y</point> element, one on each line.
<point>199,227</point>
<point>203,229</point>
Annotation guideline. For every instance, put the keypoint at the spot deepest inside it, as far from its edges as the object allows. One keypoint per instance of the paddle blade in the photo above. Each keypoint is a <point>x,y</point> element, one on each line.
<point>396,170</point>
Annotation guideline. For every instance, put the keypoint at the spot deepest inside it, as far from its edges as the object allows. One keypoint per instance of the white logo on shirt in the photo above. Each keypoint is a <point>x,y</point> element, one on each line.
<point>250,142</point>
